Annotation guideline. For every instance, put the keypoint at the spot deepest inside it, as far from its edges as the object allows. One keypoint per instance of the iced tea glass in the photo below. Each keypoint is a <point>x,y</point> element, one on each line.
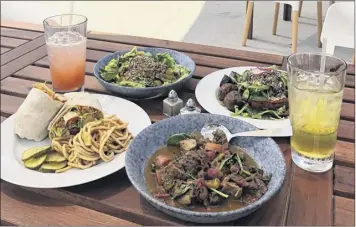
<point>66,48</point>
<point>315,99</point>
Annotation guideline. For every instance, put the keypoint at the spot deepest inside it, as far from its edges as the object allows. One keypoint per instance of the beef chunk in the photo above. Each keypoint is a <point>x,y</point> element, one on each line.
<point>231,99</point>
<point>225,89</point>
<point>162,160</point>
<point>232,189</point>
<point>172,172</point>
<point>239,180</point>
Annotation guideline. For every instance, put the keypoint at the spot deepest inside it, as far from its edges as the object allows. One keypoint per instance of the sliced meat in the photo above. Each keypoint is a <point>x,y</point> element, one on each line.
<point>159,176</point>
<point>261,185</point>
<point>270,104</point>
<point>213,147</point>
<point>213,173</point>
<point>210,154</point>
<point>162,160</point>
<point>160,195</point>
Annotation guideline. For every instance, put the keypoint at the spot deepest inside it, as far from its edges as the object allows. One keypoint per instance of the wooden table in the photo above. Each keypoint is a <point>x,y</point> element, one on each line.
<point>305,199</point>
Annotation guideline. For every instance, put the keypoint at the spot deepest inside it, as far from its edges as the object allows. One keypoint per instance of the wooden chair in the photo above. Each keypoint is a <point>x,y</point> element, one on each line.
<point>296,8</point>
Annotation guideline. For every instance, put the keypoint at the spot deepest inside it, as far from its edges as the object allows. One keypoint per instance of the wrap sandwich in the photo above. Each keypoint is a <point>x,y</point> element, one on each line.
<point>36,112</point>
<point>81,108</point>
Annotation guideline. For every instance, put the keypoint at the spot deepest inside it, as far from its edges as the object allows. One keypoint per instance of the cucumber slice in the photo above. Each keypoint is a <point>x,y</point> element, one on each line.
<point>34,152</point>
<point>53,166</point>
<point>35,162</point>
<point>55,157</point>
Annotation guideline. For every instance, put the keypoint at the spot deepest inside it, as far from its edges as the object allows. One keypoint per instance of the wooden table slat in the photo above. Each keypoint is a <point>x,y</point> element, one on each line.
<point>205,60</point>
<point>21,25</point>
<point>346,130</point>
<point>21,207</point>
<point>345,153</point>
<point>23,61</point>
<point>21,50</point>
<point>21,34</point>
<point>310,200</point>
<point>344,211</point>
<point>344,181</point>
<point>12,42</point>
<point>4,50</point>
<point>189,47</point>
<point>200,71</point>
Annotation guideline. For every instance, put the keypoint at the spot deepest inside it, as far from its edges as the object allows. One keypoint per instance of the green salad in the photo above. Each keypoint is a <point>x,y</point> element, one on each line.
<point>259,93</point>
<point>140,69</point>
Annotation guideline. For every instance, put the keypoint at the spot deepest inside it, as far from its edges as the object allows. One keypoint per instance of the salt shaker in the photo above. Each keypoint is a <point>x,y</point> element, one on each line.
<point>190,108</point>
<point>172,104</point>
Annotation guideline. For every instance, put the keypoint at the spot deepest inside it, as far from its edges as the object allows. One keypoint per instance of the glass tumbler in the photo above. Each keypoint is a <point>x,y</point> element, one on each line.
<point>315,99</point>
<point>66,48</point>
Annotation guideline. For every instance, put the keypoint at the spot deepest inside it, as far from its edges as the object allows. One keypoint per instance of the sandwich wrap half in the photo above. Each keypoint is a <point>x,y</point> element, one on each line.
<point>81,108</point>
<point>36,112</point>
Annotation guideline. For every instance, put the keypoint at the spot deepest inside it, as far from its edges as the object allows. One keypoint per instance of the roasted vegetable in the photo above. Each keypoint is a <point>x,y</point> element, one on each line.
<point>188,144</point>
<point>213,147</point>
<point>215,183</point>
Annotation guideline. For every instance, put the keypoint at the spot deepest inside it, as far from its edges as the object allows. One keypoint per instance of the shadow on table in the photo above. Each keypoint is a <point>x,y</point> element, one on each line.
<point>24,196</point>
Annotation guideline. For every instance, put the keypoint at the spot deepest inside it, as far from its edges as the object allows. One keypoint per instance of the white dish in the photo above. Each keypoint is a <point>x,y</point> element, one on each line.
<point>12,146</point>
<point>205,93</point>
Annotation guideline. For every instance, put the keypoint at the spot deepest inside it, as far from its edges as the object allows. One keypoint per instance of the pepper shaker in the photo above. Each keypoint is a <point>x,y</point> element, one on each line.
<point>190,108</point>
<point>172,104</point>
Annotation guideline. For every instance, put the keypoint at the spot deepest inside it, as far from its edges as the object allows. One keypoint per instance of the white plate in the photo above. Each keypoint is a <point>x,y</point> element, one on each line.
<point>12,146</point>
<point>206,96</point>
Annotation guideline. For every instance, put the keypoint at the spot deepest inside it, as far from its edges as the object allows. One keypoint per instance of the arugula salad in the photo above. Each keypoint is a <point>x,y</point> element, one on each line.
<point>259,93</point>
<point>140,69</point>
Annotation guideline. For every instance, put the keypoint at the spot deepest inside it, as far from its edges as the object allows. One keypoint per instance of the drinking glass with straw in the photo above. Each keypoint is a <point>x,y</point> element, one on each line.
<point>315,91</point>
<point>66,48</point>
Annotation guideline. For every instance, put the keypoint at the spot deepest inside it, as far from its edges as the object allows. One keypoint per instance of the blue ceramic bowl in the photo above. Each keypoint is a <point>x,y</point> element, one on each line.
<point>149,92</point>
<point>263,150</point>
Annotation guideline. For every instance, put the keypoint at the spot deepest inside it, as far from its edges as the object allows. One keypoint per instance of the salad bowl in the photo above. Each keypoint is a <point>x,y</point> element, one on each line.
<point>139,93</point>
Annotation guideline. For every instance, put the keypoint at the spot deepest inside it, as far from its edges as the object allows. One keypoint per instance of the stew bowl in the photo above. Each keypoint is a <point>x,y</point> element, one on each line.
<point>264,151</point>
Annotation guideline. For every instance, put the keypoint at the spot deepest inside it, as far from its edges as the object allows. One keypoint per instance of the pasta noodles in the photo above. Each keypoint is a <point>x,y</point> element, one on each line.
<point>97,141</point>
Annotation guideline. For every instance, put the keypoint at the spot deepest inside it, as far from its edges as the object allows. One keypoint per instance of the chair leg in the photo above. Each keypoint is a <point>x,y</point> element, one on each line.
<point>275,19</point>
<point>300,7</point>
<point>320,21</point>
<point>247,22</point>
<point>294,31</point>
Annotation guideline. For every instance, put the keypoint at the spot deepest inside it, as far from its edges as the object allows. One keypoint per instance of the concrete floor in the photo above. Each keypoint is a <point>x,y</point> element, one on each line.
<point>216,23</point>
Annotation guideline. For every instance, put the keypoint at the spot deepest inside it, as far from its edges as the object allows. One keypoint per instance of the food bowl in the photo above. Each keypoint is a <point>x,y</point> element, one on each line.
<point>147,92</point>
<point>264,151</point>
